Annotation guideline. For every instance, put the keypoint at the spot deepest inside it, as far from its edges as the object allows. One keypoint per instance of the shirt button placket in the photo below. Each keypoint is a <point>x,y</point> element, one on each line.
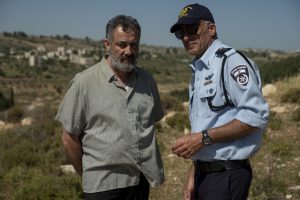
<point>133,131</point>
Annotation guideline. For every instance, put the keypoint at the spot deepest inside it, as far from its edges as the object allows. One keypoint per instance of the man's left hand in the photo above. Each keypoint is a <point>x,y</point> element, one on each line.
<point>187,145</point>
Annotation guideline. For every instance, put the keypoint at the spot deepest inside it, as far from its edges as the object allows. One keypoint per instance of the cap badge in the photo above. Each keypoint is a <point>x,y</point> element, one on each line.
<point>184,11</point>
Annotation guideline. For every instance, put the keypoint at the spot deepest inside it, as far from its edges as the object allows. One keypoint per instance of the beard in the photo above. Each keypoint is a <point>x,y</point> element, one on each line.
<point>121,65</point>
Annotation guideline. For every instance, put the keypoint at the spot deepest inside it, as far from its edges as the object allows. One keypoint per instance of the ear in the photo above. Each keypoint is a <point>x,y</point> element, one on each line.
<point>212,30</point>
<point>106,45</point>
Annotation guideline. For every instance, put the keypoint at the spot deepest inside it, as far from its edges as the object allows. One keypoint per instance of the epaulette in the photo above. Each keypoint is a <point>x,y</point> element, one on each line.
<point>220,52</point>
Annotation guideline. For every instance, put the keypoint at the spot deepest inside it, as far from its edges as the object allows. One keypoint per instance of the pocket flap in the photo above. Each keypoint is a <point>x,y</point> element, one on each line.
<point>208,90</point>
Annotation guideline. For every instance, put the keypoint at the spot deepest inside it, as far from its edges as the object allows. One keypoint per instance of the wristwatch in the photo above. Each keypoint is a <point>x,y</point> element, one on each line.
<point>206,140</point>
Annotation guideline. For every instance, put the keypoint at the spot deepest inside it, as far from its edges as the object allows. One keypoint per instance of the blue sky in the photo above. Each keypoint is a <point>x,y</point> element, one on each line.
<point>270,24</point>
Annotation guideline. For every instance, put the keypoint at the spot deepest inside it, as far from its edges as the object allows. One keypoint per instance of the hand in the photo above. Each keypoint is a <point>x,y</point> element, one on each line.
<point>187,145</point>
<point>73,150</point>
<point>188,193</point>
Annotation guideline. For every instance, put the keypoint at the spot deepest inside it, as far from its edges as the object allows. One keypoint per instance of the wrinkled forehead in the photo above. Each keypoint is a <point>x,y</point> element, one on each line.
<point>119,30</point>
<point>128,36</point>
<point>128,31</point>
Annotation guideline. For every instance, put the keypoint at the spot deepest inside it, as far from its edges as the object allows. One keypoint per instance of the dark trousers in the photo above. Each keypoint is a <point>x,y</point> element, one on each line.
<point>137,192</point>
<point>230,184</point>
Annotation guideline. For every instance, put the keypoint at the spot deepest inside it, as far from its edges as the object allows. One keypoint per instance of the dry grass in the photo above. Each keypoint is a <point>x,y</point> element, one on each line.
<point>175,168</point>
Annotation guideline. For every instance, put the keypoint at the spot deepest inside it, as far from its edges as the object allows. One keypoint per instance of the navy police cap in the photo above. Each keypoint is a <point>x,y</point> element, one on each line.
<point>192,14</point>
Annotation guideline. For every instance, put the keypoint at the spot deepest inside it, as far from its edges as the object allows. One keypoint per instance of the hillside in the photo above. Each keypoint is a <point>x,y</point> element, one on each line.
<point>30,138</point>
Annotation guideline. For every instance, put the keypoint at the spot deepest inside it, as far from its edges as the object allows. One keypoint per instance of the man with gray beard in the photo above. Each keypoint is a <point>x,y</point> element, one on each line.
<point>108,116</point>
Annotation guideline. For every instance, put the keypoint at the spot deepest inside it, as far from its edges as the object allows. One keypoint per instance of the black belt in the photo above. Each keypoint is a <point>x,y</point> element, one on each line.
<point>220,165</point>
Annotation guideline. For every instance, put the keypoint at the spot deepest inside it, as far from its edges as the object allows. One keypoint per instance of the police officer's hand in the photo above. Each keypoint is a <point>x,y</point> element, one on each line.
<point>187,145</point>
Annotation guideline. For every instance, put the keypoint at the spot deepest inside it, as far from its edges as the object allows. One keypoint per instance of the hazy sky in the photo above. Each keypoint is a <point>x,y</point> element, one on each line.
<point>271,24</point>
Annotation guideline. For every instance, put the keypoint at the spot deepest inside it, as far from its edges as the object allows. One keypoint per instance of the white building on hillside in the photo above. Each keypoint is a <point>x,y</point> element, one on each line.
<point>35,61</point>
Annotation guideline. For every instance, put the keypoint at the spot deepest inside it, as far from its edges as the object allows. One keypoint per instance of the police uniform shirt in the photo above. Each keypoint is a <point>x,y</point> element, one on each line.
<point>244,88</point>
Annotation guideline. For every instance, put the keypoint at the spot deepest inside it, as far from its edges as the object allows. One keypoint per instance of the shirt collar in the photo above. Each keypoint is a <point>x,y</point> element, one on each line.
<point>106,70</point>
<point>208,55</point>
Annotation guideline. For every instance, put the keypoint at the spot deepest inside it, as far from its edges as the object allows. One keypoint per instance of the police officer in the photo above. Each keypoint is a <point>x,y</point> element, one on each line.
<point>228,113</point>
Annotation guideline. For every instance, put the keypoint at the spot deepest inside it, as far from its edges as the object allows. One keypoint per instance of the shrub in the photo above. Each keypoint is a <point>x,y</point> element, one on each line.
<point>4,104</point>
<point>179,121</point>
<point>24,153</point>
<point>171,103</point>
<point>296,115</point>
<point>49,187</point>
<point>6,99</point>
<point>2,73</point>
<point>275,121</point>
<point>273,71</point>
<point>291,96</point>
<point>35,184</point>
<point>182,95</point>
<point>14,114</point>
<point>281,149</point>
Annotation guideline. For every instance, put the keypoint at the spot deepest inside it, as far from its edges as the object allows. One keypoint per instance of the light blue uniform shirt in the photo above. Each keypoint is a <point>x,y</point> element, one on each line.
<point>244,89</point>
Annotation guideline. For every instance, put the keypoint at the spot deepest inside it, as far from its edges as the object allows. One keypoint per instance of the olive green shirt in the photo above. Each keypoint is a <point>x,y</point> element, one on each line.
<point>116,125</point>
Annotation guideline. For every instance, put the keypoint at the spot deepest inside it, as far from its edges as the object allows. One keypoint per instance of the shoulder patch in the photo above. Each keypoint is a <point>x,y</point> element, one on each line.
<point>240,74</point>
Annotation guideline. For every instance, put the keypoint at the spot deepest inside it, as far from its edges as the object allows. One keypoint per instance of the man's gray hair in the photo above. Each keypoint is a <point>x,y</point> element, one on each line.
<point>126,22</point>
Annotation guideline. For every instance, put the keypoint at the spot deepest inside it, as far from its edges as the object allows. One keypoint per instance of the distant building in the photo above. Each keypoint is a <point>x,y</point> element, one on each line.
<point>41,48</point>
<point>77,59</point>
<point>86,61</point>
<point>19,57</point>
<point>63,58</point>
<point>12,51</point>
<point>27,54</point>
<point>61,50</point>
<point>50,54</point>
<point>35,61</point>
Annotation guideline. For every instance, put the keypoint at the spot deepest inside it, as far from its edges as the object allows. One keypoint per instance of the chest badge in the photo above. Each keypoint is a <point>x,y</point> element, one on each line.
<point>208,79</point>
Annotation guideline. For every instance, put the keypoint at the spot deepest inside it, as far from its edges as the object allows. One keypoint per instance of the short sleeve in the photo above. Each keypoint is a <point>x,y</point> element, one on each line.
<point>244,88</point>
<point>71,111</point>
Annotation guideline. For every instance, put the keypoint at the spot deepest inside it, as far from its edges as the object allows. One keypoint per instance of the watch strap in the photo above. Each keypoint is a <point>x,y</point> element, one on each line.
<point>206,139</point>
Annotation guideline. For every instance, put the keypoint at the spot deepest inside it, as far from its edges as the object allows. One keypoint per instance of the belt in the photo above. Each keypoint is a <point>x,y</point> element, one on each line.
<point>220,165</point>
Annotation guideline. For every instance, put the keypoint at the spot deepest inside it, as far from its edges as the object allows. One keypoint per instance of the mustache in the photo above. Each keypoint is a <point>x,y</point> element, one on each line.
<point>131,57</point>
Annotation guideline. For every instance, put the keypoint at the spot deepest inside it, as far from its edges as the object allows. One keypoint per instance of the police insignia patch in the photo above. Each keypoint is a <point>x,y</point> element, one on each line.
<point>240,74</point>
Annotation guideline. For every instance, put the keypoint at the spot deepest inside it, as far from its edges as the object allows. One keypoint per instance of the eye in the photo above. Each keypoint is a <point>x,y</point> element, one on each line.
<point>179,34</point>
<point>122,45</point>
<point>192,30</point>
<point>134,45</point>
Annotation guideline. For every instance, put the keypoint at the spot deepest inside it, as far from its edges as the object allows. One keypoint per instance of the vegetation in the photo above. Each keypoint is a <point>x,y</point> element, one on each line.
<point>6,99</point>
<point>179,121</point>
<point>275,121</point>
<point>292,95</point>
<point>32,154</point>
<point>296,115</point>
<point>276,70</point>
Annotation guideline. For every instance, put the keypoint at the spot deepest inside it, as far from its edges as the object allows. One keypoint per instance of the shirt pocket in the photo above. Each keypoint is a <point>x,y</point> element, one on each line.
<point>145,111</point>
<point>206,92</point>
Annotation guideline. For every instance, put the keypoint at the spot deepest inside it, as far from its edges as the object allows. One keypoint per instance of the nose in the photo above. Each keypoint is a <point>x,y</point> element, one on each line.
<point>129,50</point>
<point>186,38</point>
